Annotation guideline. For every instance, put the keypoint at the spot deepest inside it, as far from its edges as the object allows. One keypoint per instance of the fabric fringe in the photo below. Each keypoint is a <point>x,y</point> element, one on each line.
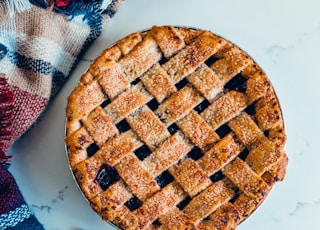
<point>6,116</point>
<point>82,7</point>
<point>71,8</point>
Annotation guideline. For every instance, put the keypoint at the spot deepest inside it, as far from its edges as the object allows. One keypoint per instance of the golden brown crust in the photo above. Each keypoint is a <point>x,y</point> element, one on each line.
<point>141,58</point>
<point>168,39</point>
<point>111,200</point>
<point>208,201</point>
<point>225,217</point>
<point>118,147</point>
<point>245,179</point>
<point>178,105</point>
<point>175,128</point>
<point>83,100</point>
<point>77,144</point>
<point>86,172</point>
<point>268,113</point>
<point>246,205</point>
<point>277,172</point>
<point>186,61</point>
<point>246,130</point>
<point>257,85</point>
<point>190,176</point>
<point>206,81</point>
<point>225,108</point>
<point>233,60</point>
<point>127,44</point>
<point>127,102</point>
<point>113,53</point>
<point>220,154</point>
<point>204,136</point>
<point>100,126</point>
<point>137,177</point>
<point>158,205</point>
<point>188,34</point>
<point>263,157</point>
<point>171,151</point>
<point>158,83</point>
<point>177,220</point>
<point>148,127</point>
<point>112,79</point>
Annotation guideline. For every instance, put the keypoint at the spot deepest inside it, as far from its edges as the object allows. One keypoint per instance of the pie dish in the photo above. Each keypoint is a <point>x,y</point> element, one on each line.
<point>175,128</point>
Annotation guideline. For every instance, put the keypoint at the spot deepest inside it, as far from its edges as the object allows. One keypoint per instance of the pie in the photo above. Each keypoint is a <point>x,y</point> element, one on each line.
<point>175,128</point>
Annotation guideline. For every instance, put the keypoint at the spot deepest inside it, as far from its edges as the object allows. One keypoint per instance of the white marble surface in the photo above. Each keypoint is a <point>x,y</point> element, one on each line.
<point>282,36</point>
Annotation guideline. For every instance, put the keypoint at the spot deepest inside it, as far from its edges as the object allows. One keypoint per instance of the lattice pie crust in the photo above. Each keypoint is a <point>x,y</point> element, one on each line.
<point>175,128</point>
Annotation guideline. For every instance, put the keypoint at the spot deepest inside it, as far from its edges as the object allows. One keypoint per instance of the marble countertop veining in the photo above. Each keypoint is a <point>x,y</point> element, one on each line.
<point>283,38</point>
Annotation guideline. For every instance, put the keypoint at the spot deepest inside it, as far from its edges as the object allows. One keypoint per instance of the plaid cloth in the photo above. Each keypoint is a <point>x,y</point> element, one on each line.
<point>38,50</point>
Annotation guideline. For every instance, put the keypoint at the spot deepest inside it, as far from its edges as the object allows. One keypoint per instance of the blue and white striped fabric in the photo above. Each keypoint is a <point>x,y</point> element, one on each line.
<point>15,217</point>
<point>39,48</point>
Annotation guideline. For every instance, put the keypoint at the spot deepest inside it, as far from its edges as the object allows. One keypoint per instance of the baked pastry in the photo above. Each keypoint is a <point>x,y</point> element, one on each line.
<point>175,128</point>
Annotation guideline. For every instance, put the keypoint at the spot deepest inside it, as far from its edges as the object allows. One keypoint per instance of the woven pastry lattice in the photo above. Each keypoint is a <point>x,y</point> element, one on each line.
<point>175,128</point>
